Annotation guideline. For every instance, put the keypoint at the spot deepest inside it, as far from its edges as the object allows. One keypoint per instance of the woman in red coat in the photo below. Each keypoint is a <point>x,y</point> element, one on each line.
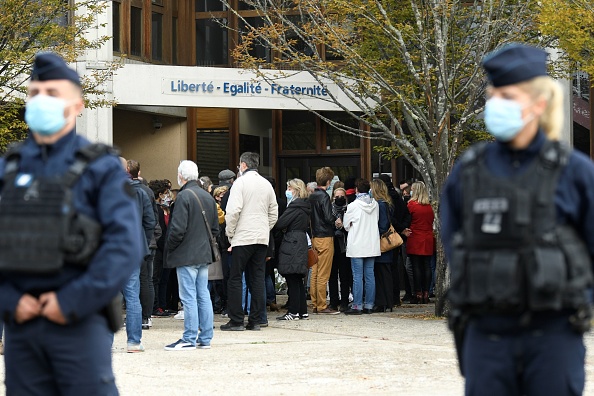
<point>420,243</point>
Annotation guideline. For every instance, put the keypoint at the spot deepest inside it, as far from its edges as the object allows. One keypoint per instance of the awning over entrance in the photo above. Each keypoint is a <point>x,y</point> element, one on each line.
<point>157,85</point>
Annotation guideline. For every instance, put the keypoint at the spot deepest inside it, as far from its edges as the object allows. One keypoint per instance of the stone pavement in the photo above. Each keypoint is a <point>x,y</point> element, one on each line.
<point>405,352</point>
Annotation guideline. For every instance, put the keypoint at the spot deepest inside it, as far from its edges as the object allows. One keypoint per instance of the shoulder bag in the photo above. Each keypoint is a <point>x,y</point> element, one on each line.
<point>215,270</point>
<point>390,239</point>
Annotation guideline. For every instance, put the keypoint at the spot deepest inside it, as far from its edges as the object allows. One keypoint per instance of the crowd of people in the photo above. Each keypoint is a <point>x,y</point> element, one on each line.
<point>261,237</point>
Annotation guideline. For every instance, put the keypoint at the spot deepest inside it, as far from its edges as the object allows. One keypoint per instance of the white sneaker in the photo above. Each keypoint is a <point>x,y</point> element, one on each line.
<point>150,322</point>
<point>288,316</point>
<point>133,348</point>
<point>180,345</point>
<point>179,315</point>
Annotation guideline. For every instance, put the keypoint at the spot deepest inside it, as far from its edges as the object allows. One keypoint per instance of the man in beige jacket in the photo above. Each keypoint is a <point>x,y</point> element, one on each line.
<point>252,211</point>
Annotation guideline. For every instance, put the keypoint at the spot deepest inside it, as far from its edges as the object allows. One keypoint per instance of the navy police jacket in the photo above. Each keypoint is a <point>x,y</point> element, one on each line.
<point>574,196</point>
<point>103,193</point>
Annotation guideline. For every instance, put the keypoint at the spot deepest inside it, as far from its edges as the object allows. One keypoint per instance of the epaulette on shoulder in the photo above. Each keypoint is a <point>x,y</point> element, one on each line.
<point>473,153</point>
<point>93,151</point>
<point>555,153</point>
<point>84,157</point>
<point>13,148</point>
<point>12,157</point>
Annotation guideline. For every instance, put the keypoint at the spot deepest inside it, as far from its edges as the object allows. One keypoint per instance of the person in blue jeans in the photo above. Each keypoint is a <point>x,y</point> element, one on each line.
<point>188,250</point>
<point>198,312</point>
<point>131,292</point>
<point>363,246</point>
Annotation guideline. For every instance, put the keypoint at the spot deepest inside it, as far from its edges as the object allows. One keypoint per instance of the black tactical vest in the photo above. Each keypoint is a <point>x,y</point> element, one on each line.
<point>511,255</point>
<point>40,229</point>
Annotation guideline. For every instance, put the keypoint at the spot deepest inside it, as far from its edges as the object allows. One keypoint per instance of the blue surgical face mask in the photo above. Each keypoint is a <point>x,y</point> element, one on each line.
<point>503,118</point>
<point>370,194</point>
<point>289,195</point>
<point>45,114</point>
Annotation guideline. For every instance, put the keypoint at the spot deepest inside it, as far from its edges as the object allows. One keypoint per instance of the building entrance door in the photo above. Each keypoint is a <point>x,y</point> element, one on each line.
<point>304,168</point>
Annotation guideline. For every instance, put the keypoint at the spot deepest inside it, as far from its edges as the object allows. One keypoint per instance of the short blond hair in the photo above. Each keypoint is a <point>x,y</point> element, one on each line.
<point>551,121</point>
<point>338,189</point>
<point>299,187</point>
<point>220,190</point>
<point>419,193</point>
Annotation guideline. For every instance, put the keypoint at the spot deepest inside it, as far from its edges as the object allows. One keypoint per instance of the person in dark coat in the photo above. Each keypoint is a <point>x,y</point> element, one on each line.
<point>188,250</point>
<point>292,255</point>
<point>161,275</point>
<point>341,264</point>
<point>535,347</point>
<point>400,221</point>
<point>383,264</point>
<point>58,340</point>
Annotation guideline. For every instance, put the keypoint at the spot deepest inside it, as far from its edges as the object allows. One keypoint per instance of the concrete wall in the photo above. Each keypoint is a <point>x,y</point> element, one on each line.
<point>96,124</point>
<point>158,151</point>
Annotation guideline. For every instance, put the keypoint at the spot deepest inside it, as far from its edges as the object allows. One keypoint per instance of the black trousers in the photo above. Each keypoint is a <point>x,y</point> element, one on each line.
<point>226,258</point>
<point>250,259</point>
<point>384,293</point>
<point>341,269</point>
<point>147,291</point>
<point>160,280</point>
<point>396,263</point>
<point>421,266</point>
<point>172,291</point>
<point>296,291</point>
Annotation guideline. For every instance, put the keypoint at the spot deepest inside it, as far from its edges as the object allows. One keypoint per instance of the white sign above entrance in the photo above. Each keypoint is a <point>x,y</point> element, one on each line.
<point>156,85</point>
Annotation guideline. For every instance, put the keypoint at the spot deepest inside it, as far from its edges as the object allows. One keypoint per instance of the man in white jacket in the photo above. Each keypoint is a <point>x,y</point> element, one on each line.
<point>252,211</point>
<point>363,245</point>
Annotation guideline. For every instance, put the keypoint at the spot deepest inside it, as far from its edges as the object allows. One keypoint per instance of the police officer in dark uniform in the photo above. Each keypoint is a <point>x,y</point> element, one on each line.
<point>517,225</point>
<point>68,242</point>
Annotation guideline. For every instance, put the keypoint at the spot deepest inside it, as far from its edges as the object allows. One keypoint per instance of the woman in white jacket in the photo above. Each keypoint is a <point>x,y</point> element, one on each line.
<point>363,245</point>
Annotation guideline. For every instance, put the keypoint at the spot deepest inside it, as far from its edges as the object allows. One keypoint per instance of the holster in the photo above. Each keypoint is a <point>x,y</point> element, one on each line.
<point>457,323</point>
<point>113,313</point>
<point>581,320</point>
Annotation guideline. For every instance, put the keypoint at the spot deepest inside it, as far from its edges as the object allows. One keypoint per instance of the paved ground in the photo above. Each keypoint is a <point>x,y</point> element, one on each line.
<point>325,355</point>
<point>405,351</point>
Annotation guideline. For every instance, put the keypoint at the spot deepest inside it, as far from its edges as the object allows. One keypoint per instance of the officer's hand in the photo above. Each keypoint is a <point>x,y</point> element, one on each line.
<point>50,308</point>
<point>27,308</point>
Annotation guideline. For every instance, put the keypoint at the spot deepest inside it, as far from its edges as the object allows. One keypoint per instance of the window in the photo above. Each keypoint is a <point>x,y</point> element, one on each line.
<point>210,5</point>
<point>116,26</point>
<point>158,2</point>
<point>294,41</point>
<point>211,42</point>
<point>337,139</point>
<point>136,31</point>
<point>157,36</point>
<point>245,6</point>
<point>581,85</point>
<point>258,50</point>
<point>299,130</point>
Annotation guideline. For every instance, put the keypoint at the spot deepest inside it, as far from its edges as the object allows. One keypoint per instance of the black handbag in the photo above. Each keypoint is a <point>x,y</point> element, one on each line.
<point>215,270</point>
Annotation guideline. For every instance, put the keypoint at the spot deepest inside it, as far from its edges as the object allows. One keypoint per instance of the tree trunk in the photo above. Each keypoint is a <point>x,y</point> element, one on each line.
<point>442,281</point>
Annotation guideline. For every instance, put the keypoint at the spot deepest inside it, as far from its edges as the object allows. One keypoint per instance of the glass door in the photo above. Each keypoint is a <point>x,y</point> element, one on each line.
<point>305,168</point>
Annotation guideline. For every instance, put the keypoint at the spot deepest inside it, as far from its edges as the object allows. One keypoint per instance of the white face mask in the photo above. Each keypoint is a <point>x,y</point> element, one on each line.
<point>179,181</point>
